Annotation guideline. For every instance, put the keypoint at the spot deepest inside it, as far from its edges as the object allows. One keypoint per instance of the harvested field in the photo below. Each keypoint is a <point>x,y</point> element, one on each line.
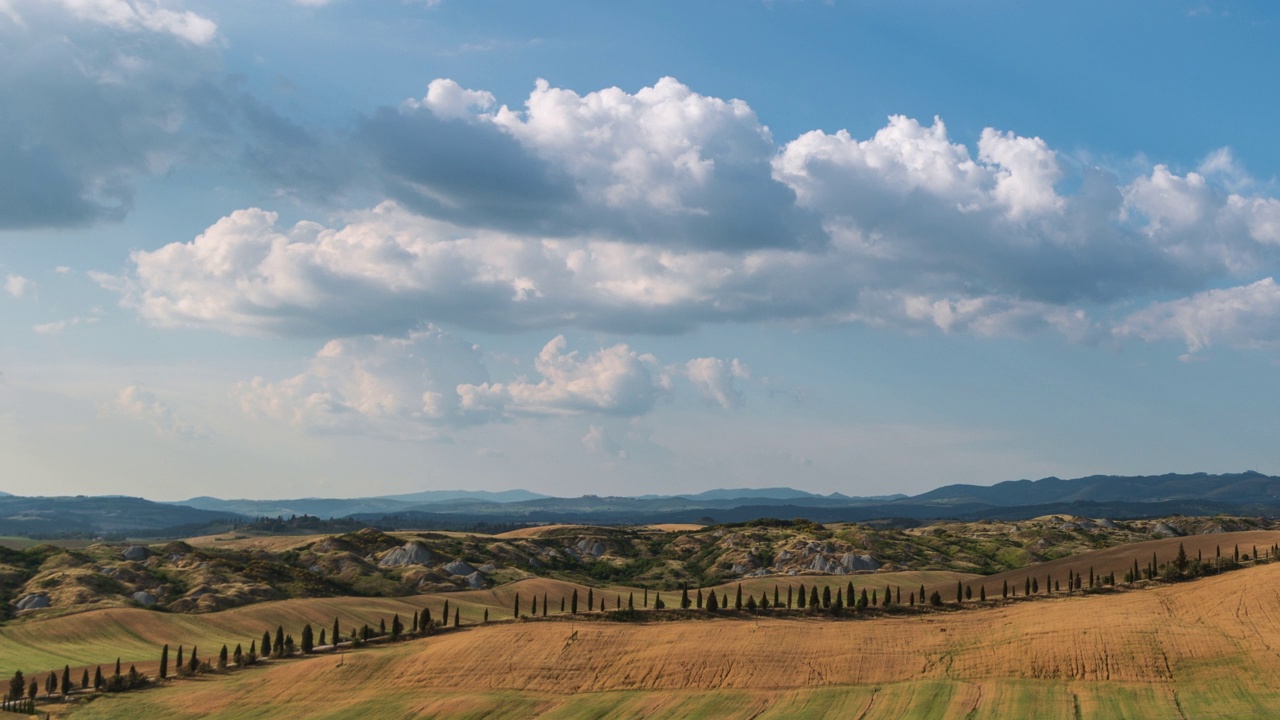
<point>676,527</point>
<point>538,531</point>
<point>1197,649</point>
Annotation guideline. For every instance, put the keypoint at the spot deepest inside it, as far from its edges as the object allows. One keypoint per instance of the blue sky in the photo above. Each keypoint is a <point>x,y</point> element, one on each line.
<point>287,248</point>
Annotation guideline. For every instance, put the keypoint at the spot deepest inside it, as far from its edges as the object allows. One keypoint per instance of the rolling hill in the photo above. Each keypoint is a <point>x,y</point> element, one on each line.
<point>1197,649</point>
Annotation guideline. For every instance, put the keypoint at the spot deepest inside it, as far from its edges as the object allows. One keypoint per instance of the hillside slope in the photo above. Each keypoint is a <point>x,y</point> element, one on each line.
<point>1187,650</point>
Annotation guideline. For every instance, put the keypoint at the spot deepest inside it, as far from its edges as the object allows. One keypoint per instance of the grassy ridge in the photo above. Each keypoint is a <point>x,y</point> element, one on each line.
<point>1193,649</point>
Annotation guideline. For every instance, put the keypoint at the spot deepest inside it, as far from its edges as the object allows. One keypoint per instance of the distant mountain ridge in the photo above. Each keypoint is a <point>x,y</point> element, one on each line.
<point>1245,493</point>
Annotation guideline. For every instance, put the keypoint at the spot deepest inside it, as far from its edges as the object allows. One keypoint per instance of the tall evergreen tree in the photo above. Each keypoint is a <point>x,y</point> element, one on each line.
<point>982,593</point>
<point>544,604</point>
<point>591,602</point>
<point>826,596</point>
<point>631,601</point>
<point>222,657</point>
<point>775,597</point>
<point>382,626</point>
<point>457,617</point>
<point>444,617</point>
<point>516,612</point>
<point>278,648</point>
<point>959,592</point>
<point>573,604</point>
<point>164,662</point>
<point>814,601</point>
<point>17,685</point>
<point>561,603</point>
<point>413,628</point>
<point>33,690</point>
<point>321,642</point>
<point>712,604</point>
<point>863,601</point>
<point>1004,590</point>
<point>193,664</point>
<point>84,679</point>
<point>97,678</point>
<point>238,655</point>
<point>646,597</point>
<point>486,616</point>
<point>968,592</point>
<point>922,594</point>
<point>425,620</point>
<point>534,611</point>
<point>737,602</point>
<point>801,598</point>
<point>309,640</point>
<point>887,596</point>
<point>685,602</point>
<point>699,600</point>
<point>66,679</point>
<point>337,635</point>
<point>788,597</point>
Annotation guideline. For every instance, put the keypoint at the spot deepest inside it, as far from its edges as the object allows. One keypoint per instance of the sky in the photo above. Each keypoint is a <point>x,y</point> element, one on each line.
<point>288,248</point>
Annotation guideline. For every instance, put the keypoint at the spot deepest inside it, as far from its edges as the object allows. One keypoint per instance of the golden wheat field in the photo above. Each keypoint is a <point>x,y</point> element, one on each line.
<point>1201,649</point>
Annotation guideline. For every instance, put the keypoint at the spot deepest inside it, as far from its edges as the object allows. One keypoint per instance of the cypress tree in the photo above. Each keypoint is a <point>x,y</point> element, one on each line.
<point>631,600</point>
<point>17,686</point>
<point>97,679</point>
<point>1090,577</point>
<point>309,640</point>
<point>982,593</point>
<point>573,604</point>
<point>601,603</point>
<point>775,597</point>
<point>712,605</point>
<point>179,666</point>
<point>888,598</point>
<point>561,603</point>
<point>724,600</point>
<point>685,602</point>
<point>814,602</point>
<point>51,683</point>
<point>516,612</point>
<point>382,626</point>
<point>922,594</point>
<point>33,690</point>
<point>751,603</point>
<point>875,600</point>
<point>413,628</point>
<point>338,635</point>
<point>1237,556</point>
<point>788,597</point>
<point>699,598</point>
<point>278,648</point>
<point>657,601</point>
<point>534,611</point>
<point>1035,586</point>
<point>486,616</point>
<point>737,603</point>
<point>322,641</point>
<point>544,604</point>
<point>898,595</point>
<point>913,599</point>
<point>425,621</point>
<point>444,617</point>
<point>222,657</point>
<point>84,680</point>
<point>457,615</point>
<point>591,602</point>
<point>838,603</point>
<point>238,655</point>
<point>968,592</point>
<point>800,599</point>
<point>826,596</point>
<point>253,653</point>
<point>935,599</point>
<point>862,600</point>
<point>959,592</point>
<point>1028,588</point>
<point>193,664</point>
<point>66,679</point>
<point>164,662</point>
<point>764,601</point>
<point>1004,590</point>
